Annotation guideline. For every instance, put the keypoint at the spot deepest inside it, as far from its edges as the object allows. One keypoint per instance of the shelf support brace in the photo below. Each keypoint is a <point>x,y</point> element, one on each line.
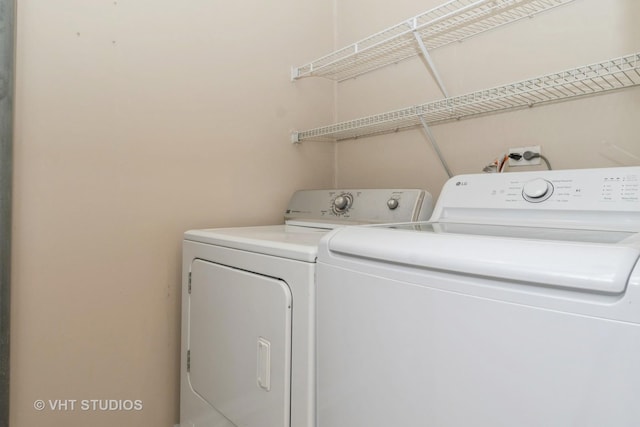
<point>295,137</point>
<point>430,64</point>
<point>434,144</point>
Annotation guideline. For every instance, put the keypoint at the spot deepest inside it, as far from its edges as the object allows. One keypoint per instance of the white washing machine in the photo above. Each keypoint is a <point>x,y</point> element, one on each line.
<point>516,305</point>
<point>248,345</point>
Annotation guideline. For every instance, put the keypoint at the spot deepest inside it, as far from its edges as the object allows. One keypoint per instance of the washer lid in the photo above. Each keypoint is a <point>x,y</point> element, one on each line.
<point>589,260</point>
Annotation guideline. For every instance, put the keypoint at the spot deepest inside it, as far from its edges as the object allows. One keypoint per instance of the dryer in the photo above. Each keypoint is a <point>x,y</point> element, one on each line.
<point>248,347</point>
<point>517,304</point>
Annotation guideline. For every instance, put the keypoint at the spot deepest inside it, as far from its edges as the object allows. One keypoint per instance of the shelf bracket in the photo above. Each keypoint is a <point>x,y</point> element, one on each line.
<point>430,64</point>
<point>434,144</point>
<point>295,137</point>
<point>295,73</point>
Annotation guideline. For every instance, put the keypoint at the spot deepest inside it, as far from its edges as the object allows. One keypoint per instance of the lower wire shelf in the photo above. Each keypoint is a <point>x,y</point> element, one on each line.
<point>587,80</point>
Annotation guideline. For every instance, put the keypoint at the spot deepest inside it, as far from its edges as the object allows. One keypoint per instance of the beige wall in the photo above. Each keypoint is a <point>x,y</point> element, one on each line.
<point>575,134</point>
<point>137,120</point>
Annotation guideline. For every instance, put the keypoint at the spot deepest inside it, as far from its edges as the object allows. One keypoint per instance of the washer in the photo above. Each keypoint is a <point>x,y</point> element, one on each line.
<point>517,304</point>
<point>248,346</point>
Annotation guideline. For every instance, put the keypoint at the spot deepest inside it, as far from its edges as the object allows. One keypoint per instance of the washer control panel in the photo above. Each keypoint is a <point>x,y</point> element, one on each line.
<point>567,196</point>
<point>360,205</point>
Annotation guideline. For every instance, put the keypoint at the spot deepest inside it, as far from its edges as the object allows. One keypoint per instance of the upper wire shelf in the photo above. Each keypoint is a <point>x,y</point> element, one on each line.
<point>591,79</point>
<point>453,21</point>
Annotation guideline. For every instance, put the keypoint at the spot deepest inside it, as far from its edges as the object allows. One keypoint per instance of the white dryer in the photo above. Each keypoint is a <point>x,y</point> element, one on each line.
<point>516,305</point>
<point>248,344</point>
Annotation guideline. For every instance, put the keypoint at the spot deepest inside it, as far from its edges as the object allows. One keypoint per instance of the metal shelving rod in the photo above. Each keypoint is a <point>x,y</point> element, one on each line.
<point>436,147</point>
<point>453,21</point>
<point>431,65</point>
<point>586,80</point>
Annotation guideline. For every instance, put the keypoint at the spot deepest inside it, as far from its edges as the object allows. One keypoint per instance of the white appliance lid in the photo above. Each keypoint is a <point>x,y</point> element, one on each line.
<point>518,232</point>
<point>588,260</point>
<point>298,243</point>
<point>312,213</point>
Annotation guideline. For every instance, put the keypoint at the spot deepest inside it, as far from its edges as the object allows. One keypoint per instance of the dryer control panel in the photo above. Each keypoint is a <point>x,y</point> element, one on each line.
<point>360,205</point>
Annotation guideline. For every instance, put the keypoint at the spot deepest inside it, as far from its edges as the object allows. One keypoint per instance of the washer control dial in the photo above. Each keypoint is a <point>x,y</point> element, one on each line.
<point>393,204</point>
<point>342,203</point>
<point>537,190</point>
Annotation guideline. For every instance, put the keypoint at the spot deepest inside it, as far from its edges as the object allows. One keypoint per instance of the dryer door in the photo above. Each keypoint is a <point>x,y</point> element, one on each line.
<point>240,344</point>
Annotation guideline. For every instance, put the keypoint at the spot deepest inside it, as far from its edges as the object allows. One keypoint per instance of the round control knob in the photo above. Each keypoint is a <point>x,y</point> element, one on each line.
<point>537,190</point>
<point>392,204</point>
<point>342,203</point>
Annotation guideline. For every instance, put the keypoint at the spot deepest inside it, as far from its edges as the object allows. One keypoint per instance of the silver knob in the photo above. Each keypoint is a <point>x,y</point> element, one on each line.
<point>342,202</point>
<point>392,204</point>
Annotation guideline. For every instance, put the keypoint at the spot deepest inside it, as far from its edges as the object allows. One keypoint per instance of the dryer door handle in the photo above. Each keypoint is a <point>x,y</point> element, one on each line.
<point>264,364</point>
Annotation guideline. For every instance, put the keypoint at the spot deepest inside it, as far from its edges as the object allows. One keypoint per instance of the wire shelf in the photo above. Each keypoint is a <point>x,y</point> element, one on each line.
<point>591,79</point>
<point>453,21</point>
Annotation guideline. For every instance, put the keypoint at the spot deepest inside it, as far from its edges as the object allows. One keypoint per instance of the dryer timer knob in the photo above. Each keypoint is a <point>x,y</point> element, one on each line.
<point>392,204</point>
<point>341,202</point>
<point>537,190</point>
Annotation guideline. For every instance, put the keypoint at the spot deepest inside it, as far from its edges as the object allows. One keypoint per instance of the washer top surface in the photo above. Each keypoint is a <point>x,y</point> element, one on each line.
<point>583,233</point>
